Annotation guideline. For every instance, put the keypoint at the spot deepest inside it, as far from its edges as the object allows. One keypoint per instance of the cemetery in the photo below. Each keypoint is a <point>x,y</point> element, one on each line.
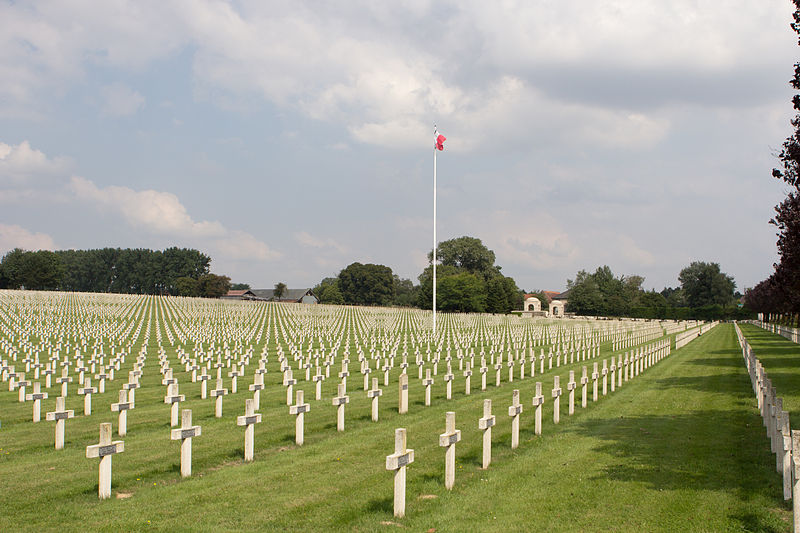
<point>355,418</point>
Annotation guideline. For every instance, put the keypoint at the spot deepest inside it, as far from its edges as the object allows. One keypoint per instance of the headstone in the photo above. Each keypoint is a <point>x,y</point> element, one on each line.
<point>203,377</point>
<point>37,396</point>
<point>402,397</point>
<point>248,420</point>
<point>514,410</point>
<point>105,450</point>
<point>448,439</point>
<point>604,373</point>
<point>185,433</point>
<point>427,382</point>
<point>218,393</point>
<point>486,424</point>
<point>584,385</point>
<point>256,388</point>
<point>467,378</point>
<point>571,385</point>
<point>398,461</point>
<point>796,477</point>
<point>122,407</point>
<point>375,393</point>
<point>340,401</point>
<point>299,409</point>
<point>595,376</point>
<point>87,390</point>
<point>318,378</point>
<point>556,398</point>
<point>289,382</point>
<point>448,378</point>
<point>59,416</point>
<point>538,401</point>
<point>174,399</point>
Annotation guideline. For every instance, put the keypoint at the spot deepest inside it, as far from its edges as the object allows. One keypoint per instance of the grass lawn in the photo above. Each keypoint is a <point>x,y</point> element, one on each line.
<point>679,448</point>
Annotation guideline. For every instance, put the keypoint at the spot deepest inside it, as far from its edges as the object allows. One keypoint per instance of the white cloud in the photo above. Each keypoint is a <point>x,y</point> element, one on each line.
<point>20,164</point>
<point>306,239</point>
<point>162,213</point>
<point>13,236</point>
<point>119,100</point>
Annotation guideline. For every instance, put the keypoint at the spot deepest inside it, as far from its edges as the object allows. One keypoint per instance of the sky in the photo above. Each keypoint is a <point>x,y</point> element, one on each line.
<point>289,139</point>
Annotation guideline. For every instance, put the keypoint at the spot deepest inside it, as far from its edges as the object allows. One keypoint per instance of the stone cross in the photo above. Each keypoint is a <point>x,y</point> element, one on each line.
<point>340,401</point>
<point>102,377</point>
<point>595,376</point>
<point>22,384</point>
<point>256,388</point>
<point>59,416</point>
<point>796,478</point>
<point>299,409</point>
<point>234,375</point>
<point>785,456</point>
<point>604,373</point>
<point>613,374</point>
<point>538,401</point>
<point>483,370</point>
<point>448,378</point>
<point>105,450</point>
<point>514,410</point>
<point>619,371</point>
<point>248,420</point>
<point>556,398</point>
<point>584,383</point>
<point>375,393</point>
<point>498,367</point>
<point>486,424</point>
<point>203,377</point>
<point>398,461</point>
<point>37,396</point>
<point>467,378</point>
<point>289,383</point>
<point>318,378</point>
<point>218,393</point>
<point>427,382</point>
<point>366,370</point>
<point>122,407</point>
<point>344,374</point>
<point>448,439</point>
<point>571,385</point>
<point>185,433</point>
<point>87,390</point>
<point>402,398</point>
<point>64,380</point>
<point>175,399</point>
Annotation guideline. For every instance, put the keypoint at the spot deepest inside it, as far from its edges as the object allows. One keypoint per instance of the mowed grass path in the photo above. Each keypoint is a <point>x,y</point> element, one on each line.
<point>679,448</point>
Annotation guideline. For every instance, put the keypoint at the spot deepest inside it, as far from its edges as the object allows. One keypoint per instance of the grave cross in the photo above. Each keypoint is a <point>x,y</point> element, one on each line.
<point>514,410</point>
<point>37,396</point>
<point>448,378</point>
<point>448,439</point>
<point>556,399</point>
<point>22,384</point>
<point>105,450</point>
<point>571,388</point>
<point>256,388</point>
<point>340,401</point>
<point>538,401</point>
<point>218,393</point>
<point>402,397</point>
<point>796,478</point>
<point>398,461</point>
<point>604,373</point>
<point>427,382</point>
<point>584,382</point>
<point>174,399</point>
<point>185,433</point>
<point>318,378</point>
<point>59,416</point>
<point>122,407</point>
<point>87,390</point>
<point>375,393</point>
<point>249,419</point>
<point>299,409</point>
<point>498,367</point>
<point>486,424</point>
<point>467,378</point>
<point>613,369</point>
<point>595,376</point>
<point>289,383</point>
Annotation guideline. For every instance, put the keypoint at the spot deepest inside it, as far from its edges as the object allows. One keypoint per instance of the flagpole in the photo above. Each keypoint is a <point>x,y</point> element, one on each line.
<point>434,237</point>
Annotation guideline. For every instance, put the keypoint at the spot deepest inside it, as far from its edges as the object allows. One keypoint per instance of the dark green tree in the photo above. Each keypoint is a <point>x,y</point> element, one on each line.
<point>466,253</point>
<point>704,284</point>
<point>280,290</point>
<point>213,286</point>
<point>464,292</point>
<point>367,284</point>
<point>240,286</point>
<point>187,286</point>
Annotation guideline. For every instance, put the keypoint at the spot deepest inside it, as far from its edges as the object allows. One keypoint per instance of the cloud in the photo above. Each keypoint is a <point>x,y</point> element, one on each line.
<point>21,164</point>
<point>119,100</point>
<point>162,213</point>
<point>306,239</point>
<point>13,236</point>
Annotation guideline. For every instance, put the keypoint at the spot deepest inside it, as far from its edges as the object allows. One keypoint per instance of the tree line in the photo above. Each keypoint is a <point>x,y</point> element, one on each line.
<point>779,294</point>
<point>174,271</point>
<point>467,280</point>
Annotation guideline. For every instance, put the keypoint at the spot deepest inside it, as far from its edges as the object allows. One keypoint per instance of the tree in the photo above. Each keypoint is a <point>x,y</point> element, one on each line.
<point>240,286</point>
<point>704,284</point>
<point>213,286</point>
<point>405,292</point>
<point>280,289</point>
<point>187,286</point>
<point>367,284</point>
<point>41,270</point>
<point>463,292</point>
<point>467,253</point>
<point>603,294</point>
<point>12,268</point>
<point>328,292</point>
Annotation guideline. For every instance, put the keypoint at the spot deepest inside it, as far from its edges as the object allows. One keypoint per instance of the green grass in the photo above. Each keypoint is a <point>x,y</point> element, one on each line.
<point>679,448</point>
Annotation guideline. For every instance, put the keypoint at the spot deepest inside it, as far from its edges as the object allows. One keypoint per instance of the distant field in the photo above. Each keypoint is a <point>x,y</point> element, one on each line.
<point>679,448</point>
